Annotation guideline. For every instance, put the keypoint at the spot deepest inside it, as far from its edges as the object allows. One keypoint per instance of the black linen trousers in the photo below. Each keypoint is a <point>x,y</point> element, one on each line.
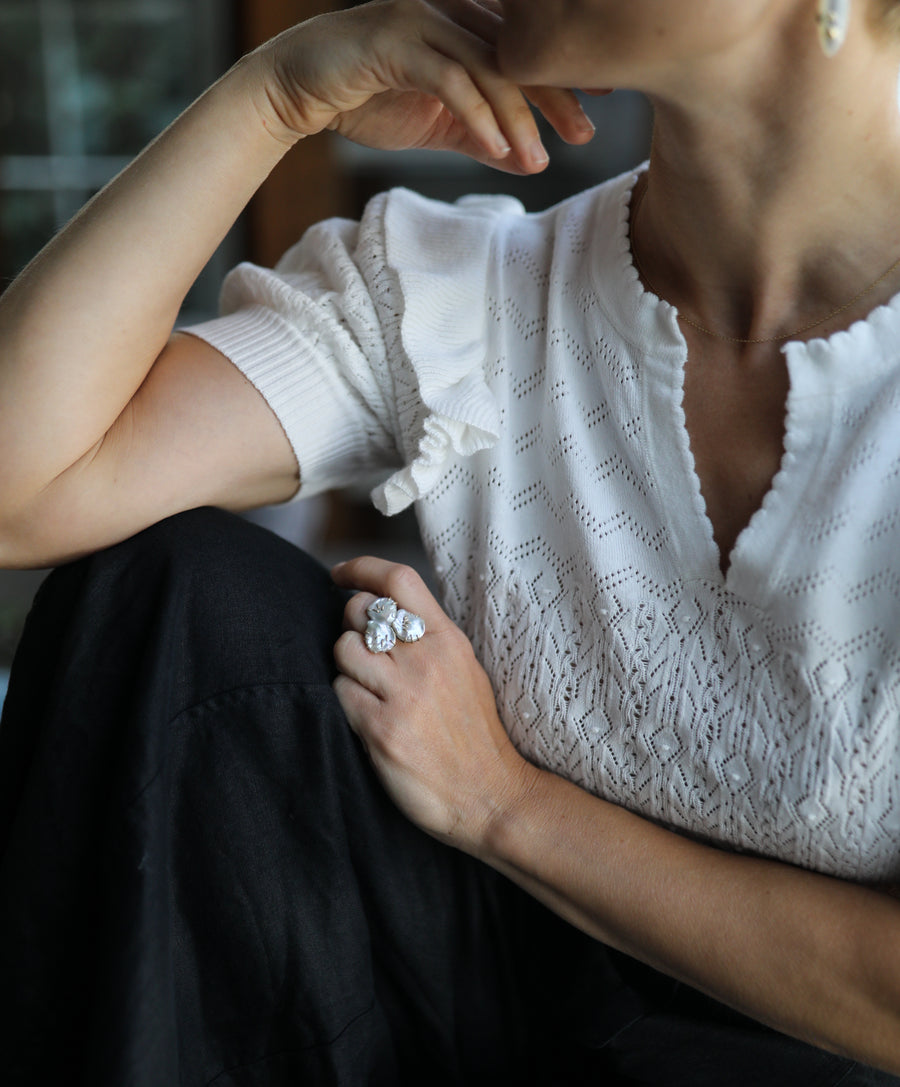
<point>202,881</point>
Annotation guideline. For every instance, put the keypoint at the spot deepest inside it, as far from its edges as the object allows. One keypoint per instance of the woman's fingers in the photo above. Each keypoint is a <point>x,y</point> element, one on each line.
<point>355,662</point>
<point>380,577</point>
<point>507,100</point>
<point>406,73</point>
<point>416,73</point>
<point>563,111</point>
<point>459,69</point>
<point>359,705</point>
<point>355,617</point>
<point>493,114</point>
<point>425,713</point>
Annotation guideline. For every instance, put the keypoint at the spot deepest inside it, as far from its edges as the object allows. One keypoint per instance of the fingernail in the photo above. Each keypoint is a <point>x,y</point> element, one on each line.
<point>501,146</point>
<point>538,154</point>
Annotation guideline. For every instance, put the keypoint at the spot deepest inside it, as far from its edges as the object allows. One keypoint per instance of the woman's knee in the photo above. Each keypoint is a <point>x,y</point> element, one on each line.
<point>219,602</point>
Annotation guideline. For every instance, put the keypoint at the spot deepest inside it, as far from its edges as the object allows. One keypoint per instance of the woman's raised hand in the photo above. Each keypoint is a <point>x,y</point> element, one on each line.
<point>399,74</point>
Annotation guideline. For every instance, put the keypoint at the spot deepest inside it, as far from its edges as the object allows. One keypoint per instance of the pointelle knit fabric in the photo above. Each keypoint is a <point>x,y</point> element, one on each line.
<point>511,377</point>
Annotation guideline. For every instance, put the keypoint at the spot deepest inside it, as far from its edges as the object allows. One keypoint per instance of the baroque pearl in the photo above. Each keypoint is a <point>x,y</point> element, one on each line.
<point>407,626</point>
<point>380,636</point>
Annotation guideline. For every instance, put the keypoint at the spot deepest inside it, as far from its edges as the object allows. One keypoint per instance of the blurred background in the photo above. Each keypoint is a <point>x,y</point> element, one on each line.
<point>85,84</point>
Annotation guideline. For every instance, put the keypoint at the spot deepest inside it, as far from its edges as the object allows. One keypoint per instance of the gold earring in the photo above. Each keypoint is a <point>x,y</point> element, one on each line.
<point>833,18</point>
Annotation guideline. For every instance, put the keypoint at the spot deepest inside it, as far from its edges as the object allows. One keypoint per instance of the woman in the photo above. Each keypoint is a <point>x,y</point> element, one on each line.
<point>651,437</point>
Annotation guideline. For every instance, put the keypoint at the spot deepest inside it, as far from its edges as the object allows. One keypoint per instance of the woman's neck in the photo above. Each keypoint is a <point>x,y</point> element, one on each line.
<point>767,208</point>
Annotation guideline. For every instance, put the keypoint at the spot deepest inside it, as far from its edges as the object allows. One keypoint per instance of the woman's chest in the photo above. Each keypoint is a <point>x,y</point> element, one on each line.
<point>734,405</point>
<point>759,709</point>
<point>701,712</point>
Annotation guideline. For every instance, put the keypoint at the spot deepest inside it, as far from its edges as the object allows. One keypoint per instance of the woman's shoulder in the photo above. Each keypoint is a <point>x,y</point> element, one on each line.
<point>428,221</point>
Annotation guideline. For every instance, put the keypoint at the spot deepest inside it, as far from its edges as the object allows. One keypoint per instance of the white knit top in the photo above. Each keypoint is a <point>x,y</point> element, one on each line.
<point>526,391</point>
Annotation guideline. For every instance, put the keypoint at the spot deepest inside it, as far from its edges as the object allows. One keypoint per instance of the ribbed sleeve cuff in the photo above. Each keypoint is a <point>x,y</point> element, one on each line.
<point>307,401</point>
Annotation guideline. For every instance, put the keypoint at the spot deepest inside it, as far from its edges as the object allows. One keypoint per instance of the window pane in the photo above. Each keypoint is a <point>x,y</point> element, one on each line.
<point>23,128</point>
<point>27,220</point>
<point>84,85</point>
<point>135,77</point>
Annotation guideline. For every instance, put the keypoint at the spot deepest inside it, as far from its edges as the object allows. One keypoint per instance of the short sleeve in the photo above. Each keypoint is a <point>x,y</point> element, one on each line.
<point>368,342</point>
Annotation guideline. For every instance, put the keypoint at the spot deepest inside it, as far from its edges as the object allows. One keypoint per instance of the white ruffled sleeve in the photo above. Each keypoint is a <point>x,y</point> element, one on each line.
<point>368,342</point>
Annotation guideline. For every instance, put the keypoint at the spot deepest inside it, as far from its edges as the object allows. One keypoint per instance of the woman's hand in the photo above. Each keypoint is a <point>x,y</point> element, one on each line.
<point>399,74</point>
<point>813,956</point>
<point>425,712</point>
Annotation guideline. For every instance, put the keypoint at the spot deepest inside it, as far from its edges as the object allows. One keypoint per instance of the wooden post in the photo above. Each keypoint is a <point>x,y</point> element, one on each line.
<point>308,184</point>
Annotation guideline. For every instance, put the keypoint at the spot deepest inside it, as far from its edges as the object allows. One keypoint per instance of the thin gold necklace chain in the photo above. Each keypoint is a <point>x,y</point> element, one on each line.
<point>739,339</point>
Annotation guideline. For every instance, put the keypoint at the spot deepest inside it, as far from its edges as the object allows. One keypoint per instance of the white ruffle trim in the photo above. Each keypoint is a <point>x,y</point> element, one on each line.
<point>441,254</point>
<point>443,437</point>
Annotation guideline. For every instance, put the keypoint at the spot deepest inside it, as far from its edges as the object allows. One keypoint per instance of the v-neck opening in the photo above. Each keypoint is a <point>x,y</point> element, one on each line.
<point>747,568</point>
<point>818,374</point>
<point>767,479</point>
<point>728,564</point>
<point>721,569</point>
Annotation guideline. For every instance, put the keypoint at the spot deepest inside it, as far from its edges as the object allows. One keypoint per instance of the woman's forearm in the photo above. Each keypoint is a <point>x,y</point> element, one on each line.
<point>81,327</point>
<point>815,957</point>
<point>84,325</point>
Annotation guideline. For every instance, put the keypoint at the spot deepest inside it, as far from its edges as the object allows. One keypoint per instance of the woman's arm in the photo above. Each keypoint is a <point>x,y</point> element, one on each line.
<point>812,956</point>
<point>107,423</point>
<point>84,324</point>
